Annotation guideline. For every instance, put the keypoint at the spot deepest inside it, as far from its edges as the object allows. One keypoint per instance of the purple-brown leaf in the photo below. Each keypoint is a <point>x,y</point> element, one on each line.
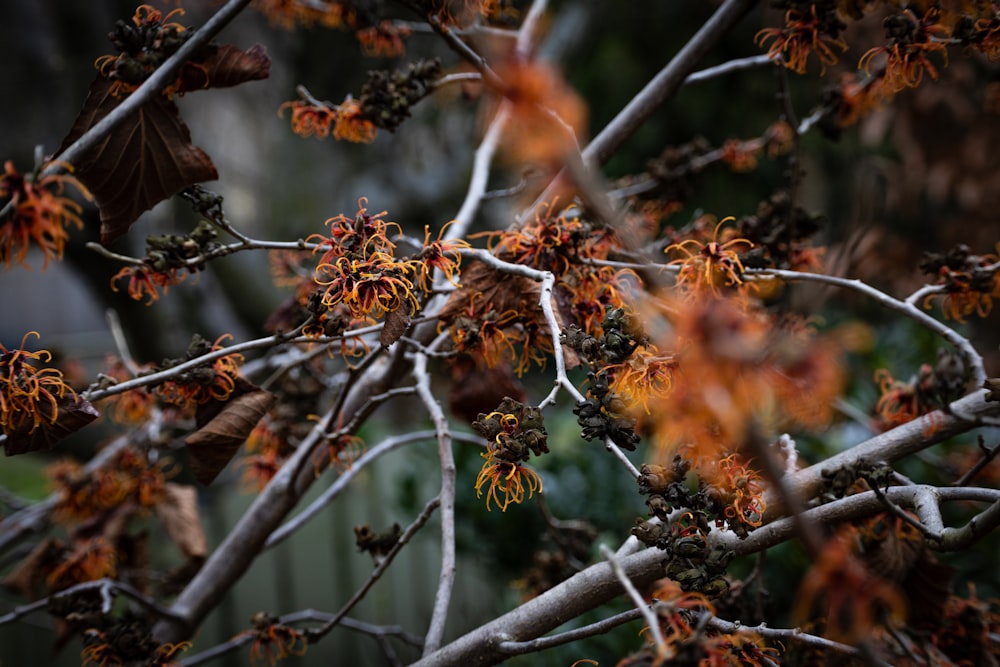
<point>73,414</point>
<point>223,426</point>
<point>145,160</point>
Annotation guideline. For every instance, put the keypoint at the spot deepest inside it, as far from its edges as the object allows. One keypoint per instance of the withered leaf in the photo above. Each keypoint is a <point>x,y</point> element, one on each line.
<point>145,160</point>
<point>150,156</point>
<point>476,388</point>
<point>223,426</point>
<point>395,325</point>
<point>494,290</point>
<point>230,66</point>
<point>501,291</point>
<point>178,512</point>
<point>73,414</point>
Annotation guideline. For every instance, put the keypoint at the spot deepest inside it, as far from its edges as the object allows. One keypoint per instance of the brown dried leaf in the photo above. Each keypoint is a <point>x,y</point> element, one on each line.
<point>147,159</point>
<point>178,512</point>
<point>476,388</point>
<point>223,426</point>
<point>395,325</point>
<point>230,66</point>
<point>73,414</point>
<point>501,290</point>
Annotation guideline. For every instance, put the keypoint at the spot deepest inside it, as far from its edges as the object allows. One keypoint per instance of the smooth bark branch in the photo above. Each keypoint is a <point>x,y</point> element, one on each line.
<point>490,644</point>
<point>666,83</point>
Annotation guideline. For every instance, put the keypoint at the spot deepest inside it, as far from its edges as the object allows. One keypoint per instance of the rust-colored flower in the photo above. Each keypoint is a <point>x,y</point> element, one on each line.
<point>709,264</point>
<point>352,125</point>
<point>130,407</point>
<point>35,214</point>
<point>844,593</point>
<point>214,381</point>
<point>145,282</point>
<point>548,118</point>
<point>289,14</point>
<point>805,33</point>
<point>273,640</point>
<point>904,60</point>
<point>89,560</point>
<point>310,119</point>
<point>29,395</point>
<point>384,40</point>
<point>441,254</point>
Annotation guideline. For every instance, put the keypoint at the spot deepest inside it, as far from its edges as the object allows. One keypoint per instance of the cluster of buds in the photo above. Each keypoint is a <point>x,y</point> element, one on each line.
<point>690,561</point>
<point>144,45</point>
<point>602,414</point>
<point>386,97</point>
<point>617,342</point>
<point>514,432</point>
<point>779,231</point>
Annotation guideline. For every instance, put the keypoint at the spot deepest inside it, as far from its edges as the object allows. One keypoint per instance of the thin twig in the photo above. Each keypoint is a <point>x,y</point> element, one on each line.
<point>576,634</point>
<point>972,357</point>
<point>644,608</point>
<point>376,574</point>
<point>334,490</point>
<point>107,588</point>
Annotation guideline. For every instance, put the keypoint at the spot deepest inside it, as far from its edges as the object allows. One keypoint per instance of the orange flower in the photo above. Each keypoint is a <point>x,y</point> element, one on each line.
<point>204,383</point>
<point>28,394</point>
<point>145,281</point>
<point>36,212</point>
<point>289,13</point>
<point>802,35</point>
<point>508,479</point>
<point>144,46</point>
<point>712,264</point>
<point>131,407</point>
<point>310,119</point>
<point>273,641</point>
<point>547,116</point>
<point>383,40</point>
<point>646,375</point>
<point>844,593</point>
<point>351,123</point>
<point>736,367</point>
<point>905,56</point>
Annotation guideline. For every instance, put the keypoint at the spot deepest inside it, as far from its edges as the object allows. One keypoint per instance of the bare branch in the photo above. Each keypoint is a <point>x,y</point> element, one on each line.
<point>446,581</point>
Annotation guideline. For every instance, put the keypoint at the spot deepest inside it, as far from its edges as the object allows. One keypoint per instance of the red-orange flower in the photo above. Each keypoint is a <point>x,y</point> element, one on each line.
<point>28,394</point>
<point>803,34</point>
<point>850,598</point>
<point>352,125</point>
<point>273,641</point>
<point>384,40</point>
<point>310,119</point>
<point>144,281</point>
<point>711,264</point>
<point>214,381</point>
<point>291,13</point>
<point>35,212</point>
<point>905,58</point>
